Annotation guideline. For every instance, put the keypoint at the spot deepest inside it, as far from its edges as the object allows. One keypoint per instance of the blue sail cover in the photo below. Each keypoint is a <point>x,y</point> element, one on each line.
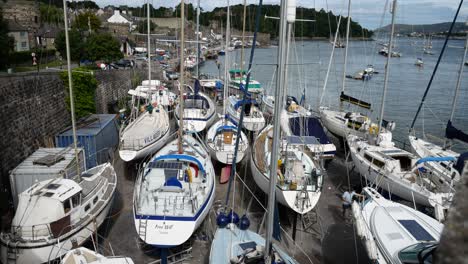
<point>246,101</point>
<point>435,159</point>
<point>452,132</point>
<point>461,162</point>
<point>197,86</point>
<point>242,88</point>
<point>226,128</point>
<point>308,126</point>
<point>181,157</point>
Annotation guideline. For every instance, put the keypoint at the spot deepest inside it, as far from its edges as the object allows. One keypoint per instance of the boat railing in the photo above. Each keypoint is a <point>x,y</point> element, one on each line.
<point>139,143</point>
<point>32,233</point>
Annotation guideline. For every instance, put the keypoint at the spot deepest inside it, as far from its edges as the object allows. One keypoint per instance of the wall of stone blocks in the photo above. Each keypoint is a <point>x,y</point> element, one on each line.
<point>33,111</point>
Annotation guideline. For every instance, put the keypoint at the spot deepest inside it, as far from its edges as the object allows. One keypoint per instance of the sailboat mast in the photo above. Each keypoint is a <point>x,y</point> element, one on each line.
<point>148,49</point>
<point>197,73</point>
<point>346,46</point>
<point>181,78</point>
<point>70,87</point>
<point>330,61</point>
<point>226,57</point>
<point>387,67</point>
<point>459,80</point>
<point>243,43</point>
<point>276,125</point>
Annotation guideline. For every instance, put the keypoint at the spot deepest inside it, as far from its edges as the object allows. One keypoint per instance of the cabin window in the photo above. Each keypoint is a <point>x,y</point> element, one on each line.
<point>405,162</point>
<point>66,206</point>
<point>95,199</point>
<point>367,157</point>
<point>75,199</point>
<point>378,163</point>
<point>87,207</point>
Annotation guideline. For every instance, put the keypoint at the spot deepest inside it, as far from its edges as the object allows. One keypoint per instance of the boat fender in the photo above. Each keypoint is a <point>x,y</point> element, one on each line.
<point>244,222</point>
<point>373,130</point>
<point>222,220</point>
<point>233,217</point>
<point>188,175</point>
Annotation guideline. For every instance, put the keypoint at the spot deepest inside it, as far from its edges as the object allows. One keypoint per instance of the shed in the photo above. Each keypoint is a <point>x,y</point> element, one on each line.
<point>98,134</point>
<point>44,164</point>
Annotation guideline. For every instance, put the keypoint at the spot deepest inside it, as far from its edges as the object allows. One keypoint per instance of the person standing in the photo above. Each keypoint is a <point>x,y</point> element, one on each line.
<point>348,197</point>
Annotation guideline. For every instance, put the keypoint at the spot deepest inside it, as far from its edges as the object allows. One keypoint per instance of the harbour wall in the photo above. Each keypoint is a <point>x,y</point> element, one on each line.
<point>33,111</point>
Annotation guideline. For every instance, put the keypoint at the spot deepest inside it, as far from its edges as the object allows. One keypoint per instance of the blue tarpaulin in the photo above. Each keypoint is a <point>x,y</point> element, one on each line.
<point>308,126</point>
<point>435,159</point>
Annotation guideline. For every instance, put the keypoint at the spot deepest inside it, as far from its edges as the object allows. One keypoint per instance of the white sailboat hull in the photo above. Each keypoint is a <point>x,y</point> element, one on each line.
<point>42,252</point>
<point>286,198</point>
<point>393,182</point>
<point>166,232</point>
<point>336,125</point>
<point>129,155</point>
<point>426,149</point>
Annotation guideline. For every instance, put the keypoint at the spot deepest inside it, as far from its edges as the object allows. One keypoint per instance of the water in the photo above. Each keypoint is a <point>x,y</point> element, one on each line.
<point>308,65</point>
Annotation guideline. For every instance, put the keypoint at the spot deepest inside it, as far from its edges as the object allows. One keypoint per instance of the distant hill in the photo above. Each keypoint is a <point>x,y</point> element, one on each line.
<point>426,29</point>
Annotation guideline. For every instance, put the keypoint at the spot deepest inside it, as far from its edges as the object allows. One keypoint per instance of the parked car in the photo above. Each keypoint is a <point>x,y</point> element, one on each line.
<point>124,63</point>
<point>170,75</point>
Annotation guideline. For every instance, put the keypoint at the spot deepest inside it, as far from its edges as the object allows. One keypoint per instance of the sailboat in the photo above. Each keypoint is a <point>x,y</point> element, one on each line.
<point>174,191</point>
<point>253,119</point>
<point>55,214</point>
<point>343,123</point>
<point>221,137</point>
<point>393,169</point>
<point>160,95</point>
<point>393,232</point>
<point>419,62</point>
<point>424,148</point>
<point>148,128</point>
<point>199,110</point>
<point>300,178</point>
<point>83,255</point>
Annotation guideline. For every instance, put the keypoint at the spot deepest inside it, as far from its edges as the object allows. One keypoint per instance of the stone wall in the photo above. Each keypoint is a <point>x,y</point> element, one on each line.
<point>113,86</point>
<point>33,111</point>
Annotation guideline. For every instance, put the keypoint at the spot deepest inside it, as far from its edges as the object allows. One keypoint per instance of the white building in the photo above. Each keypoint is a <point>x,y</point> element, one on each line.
<point>119,18</point>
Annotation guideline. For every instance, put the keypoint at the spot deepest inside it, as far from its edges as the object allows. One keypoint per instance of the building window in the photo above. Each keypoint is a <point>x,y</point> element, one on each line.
<point>24,44</point>
<point>35,19</point>
<point>22,33</point>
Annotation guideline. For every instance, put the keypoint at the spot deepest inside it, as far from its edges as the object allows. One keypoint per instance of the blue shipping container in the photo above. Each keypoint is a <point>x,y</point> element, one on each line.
<point>99,136</point>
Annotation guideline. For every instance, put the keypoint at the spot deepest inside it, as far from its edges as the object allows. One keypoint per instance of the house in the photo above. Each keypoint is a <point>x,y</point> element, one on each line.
<point>120,18</point>
<point>20,35</point>
<point>45,37</point>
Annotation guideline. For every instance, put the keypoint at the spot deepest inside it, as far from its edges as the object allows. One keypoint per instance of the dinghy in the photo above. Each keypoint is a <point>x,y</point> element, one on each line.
<point>395,233</point>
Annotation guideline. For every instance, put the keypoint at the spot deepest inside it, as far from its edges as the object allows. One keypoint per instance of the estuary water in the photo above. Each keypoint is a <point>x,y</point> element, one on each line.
<point>308,63</point>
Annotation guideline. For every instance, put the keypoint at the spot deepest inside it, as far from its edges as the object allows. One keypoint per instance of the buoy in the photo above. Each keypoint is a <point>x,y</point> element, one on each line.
<point>233,217</point>
<point>222,220</point>
<point>244,223</point>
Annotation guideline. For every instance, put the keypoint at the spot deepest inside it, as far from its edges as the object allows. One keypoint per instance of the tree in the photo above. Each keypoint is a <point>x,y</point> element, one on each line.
<point>6,42</point>
<point>76,45</point>
<point>103,46</point>
<point>143,26</point>
<point>82,5</point>
<point>51,14</point>
<point>81,22</point>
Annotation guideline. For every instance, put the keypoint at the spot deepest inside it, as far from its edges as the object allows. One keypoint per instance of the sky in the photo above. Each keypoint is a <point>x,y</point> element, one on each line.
<point>367,12</point>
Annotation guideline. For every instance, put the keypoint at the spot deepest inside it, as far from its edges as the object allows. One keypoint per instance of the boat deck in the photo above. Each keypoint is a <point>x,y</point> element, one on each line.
<point>144,130</point>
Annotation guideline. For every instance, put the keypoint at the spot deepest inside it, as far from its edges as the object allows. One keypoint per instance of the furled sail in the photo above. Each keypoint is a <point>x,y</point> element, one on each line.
<point>452,132</point>
<point>355,101</point>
